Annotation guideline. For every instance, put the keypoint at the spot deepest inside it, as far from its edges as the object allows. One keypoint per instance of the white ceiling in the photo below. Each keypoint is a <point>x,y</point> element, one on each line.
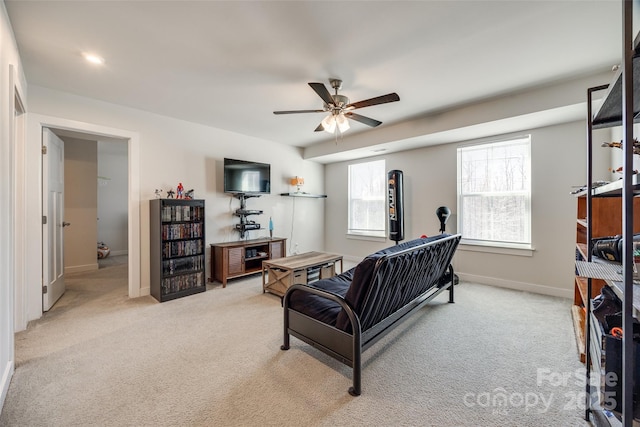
<point>230,64</point>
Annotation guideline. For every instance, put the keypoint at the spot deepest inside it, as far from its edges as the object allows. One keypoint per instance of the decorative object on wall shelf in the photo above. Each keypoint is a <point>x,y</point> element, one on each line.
<point>158,194</point>
<point>179,191</point>
<point>298,182</point>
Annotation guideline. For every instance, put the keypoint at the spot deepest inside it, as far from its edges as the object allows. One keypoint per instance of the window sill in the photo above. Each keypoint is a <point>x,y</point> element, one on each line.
<point>368,237</point>
<point>496,248</point>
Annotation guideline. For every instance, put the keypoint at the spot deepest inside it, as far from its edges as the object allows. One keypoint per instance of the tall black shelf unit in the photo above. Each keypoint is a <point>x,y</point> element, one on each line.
<point>619,107</point>
<point>177,248</point>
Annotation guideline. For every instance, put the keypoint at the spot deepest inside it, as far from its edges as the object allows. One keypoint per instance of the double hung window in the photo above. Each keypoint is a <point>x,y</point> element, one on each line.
<point>494,193</point>
<point>367,199</point>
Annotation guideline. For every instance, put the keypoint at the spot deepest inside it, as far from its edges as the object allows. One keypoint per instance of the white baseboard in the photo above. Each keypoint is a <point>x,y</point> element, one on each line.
<point>501,283</point>
<point>120,252</point>
<point>5,381</point>
<point>81,268</point>
<point>520,286</point>
<point>145,291</point>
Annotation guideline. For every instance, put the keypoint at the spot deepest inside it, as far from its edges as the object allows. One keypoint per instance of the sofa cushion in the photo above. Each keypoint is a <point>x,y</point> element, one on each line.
<point>362,278</point>
<point>318,308</point>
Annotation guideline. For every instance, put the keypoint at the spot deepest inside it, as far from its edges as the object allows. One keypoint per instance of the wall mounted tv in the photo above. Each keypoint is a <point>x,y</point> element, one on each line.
<point>246,177</point>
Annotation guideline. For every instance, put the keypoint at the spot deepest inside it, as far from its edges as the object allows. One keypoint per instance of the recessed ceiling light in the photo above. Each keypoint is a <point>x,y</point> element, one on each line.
<point>94,59</point>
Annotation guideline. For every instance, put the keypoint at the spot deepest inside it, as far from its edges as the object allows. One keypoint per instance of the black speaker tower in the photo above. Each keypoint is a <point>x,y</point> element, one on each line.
<point>396,202</point>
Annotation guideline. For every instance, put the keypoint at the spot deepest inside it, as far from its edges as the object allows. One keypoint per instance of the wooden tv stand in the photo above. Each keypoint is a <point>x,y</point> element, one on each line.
<point>236,259</point>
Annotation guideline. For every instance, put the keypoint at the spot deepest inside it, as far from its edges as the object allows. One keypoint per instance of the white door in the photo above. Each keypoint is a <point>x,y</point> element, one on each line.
<point>53,218</point>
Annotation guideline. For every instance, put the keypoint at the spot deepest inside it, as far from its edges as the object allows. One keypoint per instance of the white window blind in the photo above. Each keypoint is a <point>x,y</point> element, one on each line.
<point>494,193</point>
<point>367,199</point>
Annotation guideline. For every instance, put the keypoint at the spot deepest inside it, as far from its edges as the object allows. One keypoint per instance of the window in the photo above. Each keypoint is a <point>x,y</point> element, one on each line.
<point>494,193</point>
<point>367,199</point>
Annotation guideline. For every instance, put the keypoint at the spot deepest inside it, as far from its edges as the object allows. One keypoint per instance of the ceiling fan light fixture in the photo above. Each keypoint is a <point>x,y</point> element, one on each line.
<point>342,122</point>
<point>329,123</point>
<point>337,105</point>
<point>334,120</point>
<point>92,58</point>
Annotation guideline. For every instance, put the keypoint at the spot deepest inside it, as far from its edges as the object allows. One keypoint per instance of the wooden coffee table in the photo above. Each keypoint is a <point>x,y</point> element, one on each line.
<point>281,273</point>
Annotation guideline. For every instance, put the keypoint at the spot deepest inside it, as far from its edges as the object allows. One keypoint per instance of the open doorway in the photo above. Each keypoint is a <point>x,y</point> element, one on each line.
<point>34,274</point>
<point>96,202</point>
<point>95,199</point>
<point>112,203</point>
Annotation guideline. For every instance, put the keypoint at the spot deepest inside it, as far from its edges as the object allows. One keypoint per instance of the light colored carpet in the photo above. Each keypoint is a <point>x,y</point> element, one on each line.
<point>214,359</point>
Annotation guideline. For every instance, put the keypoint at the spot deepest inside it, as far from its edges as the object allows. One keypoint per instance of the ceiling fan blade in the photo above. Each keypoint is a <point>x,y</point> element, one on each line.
<point>390,97</point>
<point>322,91</point>
<point>320,128</point>
<point>362,119</point>
<point>298,111</point>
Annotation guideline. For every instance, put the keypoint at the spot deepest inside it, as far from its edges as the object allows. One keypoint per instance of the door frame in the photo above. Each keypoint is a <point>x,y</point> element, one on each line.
<point>36,122</point>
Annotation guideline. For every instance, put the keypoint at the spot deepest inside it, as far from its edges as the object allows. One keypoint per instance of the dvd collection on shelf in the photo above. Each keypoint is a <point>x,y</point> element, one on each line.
<point>182,265</point>
<point>182,248</point>
<point>177,248</point>
<point>192,230</point>
<point>180,283</point>
<point>182,213</point>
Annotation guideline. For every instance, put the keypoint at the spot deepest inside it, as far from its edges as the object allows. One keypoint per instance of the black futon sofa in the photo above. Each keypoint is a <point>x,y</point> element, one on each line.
<point>346,314</point>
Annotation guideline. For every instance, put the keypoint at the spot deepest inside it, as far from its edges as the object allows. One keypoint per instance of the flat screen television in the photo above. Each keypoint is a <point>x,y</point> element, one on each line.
<point>246,177</point>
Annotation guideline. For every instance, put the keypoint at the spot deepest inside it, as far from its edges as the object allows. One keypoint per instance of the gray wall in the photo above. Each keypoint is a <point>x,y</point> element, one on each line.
<point>95,200</point>
<point>13,226</point>
<point>112,196</point>
<point>558,163</point>
<point>163,152</point>
<point>80,204</point>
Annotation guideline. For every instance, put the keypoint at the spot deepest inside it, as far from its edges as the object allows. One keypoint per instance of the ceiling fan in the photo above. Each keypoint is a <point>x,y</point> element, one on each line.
<point>339,108</point>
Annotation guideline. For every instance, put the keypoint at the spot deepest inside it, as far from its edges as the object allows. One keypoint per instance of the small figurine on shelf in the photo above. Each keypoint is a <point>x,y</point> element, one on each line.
<point>616,144</point>
<point>170,194</point>
<point>158,194</point>
<point>179,191</point>
<point>620,170</point>
<point>189,194</point>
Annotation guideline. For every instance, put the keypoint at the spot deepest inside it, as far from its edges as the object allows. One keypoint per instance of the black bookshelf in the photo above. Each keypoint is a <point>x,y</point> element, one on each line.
<point>177,252</point>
